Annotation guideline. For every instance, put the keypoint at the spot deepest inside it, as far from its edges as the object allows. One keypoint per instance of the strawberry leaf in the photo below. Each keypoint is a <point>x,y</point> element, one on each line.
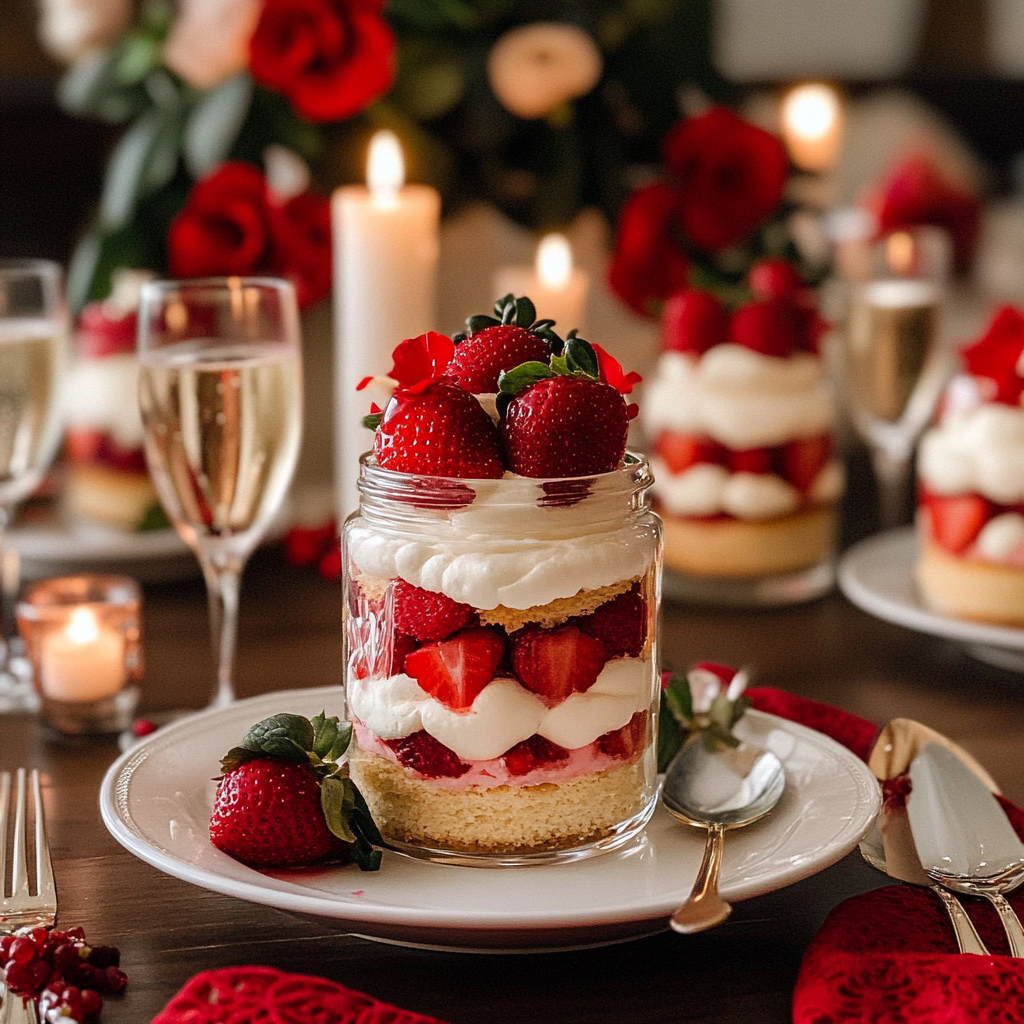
<point>373,421</point>
<point>512,382</point>
<point>580,356</point>
<point>502,304</point>
<point>236,757</point>
<point>526,313</point>
<point>367,835</point>
<point>348,817</point>
<point>337,801</point>
<point>287,736</point>
<point>671,737</point>
<point>480,321</point>
<point>331,737</point>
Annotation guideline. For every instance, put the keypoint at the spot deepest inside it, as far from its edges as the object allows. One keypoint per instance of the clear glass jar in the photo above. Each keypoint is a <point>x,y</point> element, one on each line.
<point>501,662</point>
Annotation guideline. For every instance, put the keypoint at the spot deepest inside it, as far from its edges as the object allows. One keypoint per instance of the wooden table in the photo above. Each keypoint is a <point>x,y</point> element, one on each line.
<point>290,637</point>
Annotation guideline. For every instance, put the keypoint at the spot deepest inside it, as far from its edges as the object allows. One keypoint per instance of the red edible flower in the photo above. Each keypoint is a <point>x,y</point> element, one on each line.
<point>611,371</point>
<point>997,355</point>
<point>421,358</point>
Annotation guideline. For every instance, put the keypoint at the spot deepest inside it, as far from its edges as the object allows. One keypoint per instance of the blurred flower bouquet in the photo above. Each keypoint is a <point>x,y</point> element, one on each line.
<point>241,115</point>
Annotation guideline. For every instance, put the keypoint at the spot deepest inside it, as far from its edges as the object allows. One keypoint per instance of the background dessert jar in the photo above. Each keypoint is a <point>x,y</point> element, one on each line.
<point>740,420</point>
<point>502,670</point>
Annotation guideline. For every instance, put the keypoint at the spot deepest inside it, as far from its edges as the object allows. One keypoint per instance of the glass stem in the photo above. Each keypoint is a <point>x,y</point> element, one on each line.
<point>222,586</point>
<point>8,586</point>
<point>891,474</point>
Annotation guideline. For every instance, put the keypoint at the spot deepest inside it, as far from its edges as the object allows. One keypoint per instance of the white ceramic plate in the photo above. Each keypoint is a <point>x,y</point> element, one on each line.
<point>156,801</point>
<point>877,575</point>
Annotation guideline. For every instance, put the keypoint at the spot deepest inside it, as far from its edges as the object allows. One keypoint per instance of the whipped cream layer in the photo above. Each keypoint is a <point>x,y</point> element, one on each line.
<point>976,450</point>
<point>708,490</point>
<point>504,712</point>
<point>738,397</point>
<point>506,549</point>
<point>1002,539</point>
<point>103,395</point>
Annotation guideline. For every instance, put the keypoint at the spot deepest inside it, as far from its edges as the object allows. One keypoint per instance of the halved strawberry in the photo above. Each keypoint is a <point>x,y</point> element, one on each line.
<point>751,460</point>
<point>693,321</point>
<point>429,756</point>
<point>455,671</point>
<point>625,742</point>
<point>555,663</point>
<point>439,429</point>
<point>804,459</point>
<point>681,451</point>
<point>955,521</point>
<point>426,614</point>
<point>401,647</point>
<point>620,624</point>
<point>535,752</point>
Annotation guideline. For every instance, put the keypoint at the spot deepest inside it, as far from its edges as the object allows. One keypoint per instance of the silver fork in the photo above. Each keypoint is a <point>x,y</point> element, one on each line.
<point>23,909</point>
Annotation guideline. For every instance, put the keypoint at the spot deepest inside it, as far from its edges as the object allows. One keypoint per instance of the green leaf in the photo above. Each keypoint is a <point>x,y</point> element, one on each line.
<point>236,756</point>
<point>581,356</point>
<point>138,55</point>
<point>214,123</point>
<point>82,267</point>
<point>501,305</point>
<point>680,699</point>
<point>337,801</point>
<point>368,835</point>
<point>526,313</point>
<point>331,737</point>
<point>512,382</point>
<point>373,421</point>
<point>671,736</point>
<point>288,736</point>
<point>480,321</point>
<point>154,519</point>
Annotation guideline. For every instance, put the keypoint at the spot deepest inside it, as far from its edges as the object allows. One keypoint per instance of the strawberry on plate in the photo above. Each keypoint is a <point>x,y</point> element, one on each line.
<point>804,458</point>
<point>562,420</point>
<point>556,663</point>
<point>955,520</point>
<point>284,800</point>
<point>438,429</point>
<point>454,671</point>
<point>493,344</point>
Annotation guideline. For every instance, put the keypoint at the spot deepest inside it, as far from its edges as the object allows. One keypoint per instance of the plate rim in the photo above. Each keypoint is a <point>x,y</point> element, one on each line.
<point>288,896</point>
<point>901,544</point>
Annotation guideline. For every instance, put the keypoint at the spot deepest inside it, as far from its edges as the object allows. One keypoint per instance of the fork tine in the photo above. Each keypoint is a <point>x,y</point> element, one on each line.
<point>5,805</point>
<point>44,865</point>
<point>19,867</point>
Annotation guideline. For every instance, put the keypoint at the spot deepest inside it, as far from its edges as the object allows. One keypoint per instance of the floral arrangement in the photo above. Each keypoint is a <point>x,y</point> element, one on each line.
<point>716,212</point>
<point>241,115</point>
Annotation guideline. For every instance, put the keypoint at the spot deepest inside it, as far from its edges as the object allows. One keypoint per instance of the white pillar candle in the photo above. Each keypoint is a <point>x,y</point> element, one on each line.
<point>386,241</point>
<point>812,126</point>
<point>557,289</point>
<point>84,661</point>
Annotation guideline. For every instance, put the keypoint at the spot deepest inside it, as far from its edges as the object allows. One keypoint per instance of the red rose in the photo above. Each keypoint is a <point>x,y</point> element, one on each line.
<point>331,58</point>
<point>997,354</point>
<point>223,227</point>
<point>301,231</point>
<point>916,193</point>
<point>731,176</point>
<point>646,264</point>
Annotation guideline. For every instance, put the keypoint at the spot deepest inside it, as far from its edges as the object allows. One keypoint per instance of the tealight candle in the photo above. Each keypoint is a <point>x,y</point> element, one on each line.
<point>812,117</point>
<point>83,638</point>
<point>386,244</point>
<point>557,289</point>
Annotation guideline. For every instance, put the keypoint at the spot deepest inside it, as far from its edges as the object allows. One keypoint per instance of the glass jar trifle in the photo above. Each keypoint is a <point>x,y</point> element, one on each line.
<point>740,420</point>
<point>502,671</point>
<point>970,471</point>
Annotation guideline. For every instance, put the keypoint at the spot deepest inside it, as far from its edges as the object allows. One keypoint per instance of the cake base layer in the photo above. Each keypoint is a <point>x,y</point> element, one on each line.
<point>966,588</point>
<point>502,820</point>
<point>105,495</point>
<point>743,549</point>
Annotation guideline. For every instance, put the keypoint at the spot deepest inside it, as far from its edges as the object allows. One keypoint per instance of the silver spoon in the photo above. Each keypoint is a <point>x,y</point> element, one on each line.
<point>718,788</point>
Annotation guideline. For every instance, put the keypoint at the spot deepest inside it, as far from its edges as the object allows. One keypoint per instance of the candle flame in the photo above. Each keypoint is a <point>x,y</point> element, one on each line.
<point>900,252</point>
<point>83,628</point>
<point>385,168</point>
<point>554,261</point>
<point>810,111</point>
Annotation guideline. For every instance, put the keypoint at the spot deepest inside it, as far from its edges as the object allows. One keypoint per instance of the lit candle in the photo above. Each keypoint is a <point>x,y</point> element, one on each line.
<point>557,289</point>
<point>386,241</point>
<point>812,119</point>
<point>84,661</point>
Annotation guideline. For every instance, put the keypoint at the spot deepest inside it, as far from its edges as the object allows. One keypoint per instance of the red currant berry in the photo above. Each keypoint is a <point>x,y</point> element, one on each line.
<point>41,973</point>
<point>92,1002</point>
<point>75,933</point>
<point>105,956</point>
<point>66,958</point>
<point>22,950</point>
<point>116,979</point>
<point>5,947</point>
<point>19,977</point>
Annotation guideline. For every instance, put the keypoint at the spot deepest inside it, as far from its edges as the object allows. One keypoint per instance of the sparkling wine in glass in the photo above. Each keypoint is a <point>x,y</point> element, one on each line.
<point>894,361</point>
<point>220,389</point>
<point>33,364</point>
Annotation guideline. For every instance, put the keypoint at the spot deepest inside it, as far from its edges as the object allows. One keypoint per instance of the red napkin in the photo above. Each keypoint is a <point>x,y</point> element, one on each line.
<point>889,956</point>
<point>262,995</point>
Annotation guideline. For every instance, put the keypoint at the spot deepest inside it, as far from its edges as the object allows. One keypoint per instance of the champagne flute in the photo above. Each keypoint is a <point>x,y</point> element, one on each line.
<point>220,389</point>
<point>894,363</point>
<point>33,362</point>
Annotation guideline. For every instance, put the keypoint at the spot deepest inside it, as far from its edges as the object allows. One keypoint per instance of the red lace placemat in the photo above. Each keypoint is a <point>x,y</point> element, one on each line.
<point>262,995</point>
<point>889,956</point>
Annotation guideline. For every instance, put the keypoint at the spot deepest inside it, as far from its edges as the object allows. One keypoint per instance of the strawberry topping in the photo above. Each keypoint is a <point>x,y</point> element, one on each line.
<point>428,756</point>
<point>620,624</point>
<point>693,321</point>
<point>771,327</point>
<point>482,356</point>
<point>774,279</point>
<point>955,521</point>
<point>427,615</point>
<point>438,429</point>
<point>455,671</point>
<point>535,752</point>
<point>556,663</point>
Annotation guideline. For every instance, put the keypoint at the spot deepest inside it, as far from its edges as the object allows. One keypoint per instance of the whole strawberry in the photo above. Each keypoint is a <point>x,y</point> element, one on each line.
<point>500,342</point>
<point>438,429</point>
<point>284,801</point>
<point>562,420</point>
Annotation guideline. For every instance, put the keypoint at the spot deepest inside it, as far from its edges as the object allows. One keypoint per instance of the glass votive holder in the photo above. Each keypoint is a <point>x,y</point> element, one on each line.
<point>83,636</point>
